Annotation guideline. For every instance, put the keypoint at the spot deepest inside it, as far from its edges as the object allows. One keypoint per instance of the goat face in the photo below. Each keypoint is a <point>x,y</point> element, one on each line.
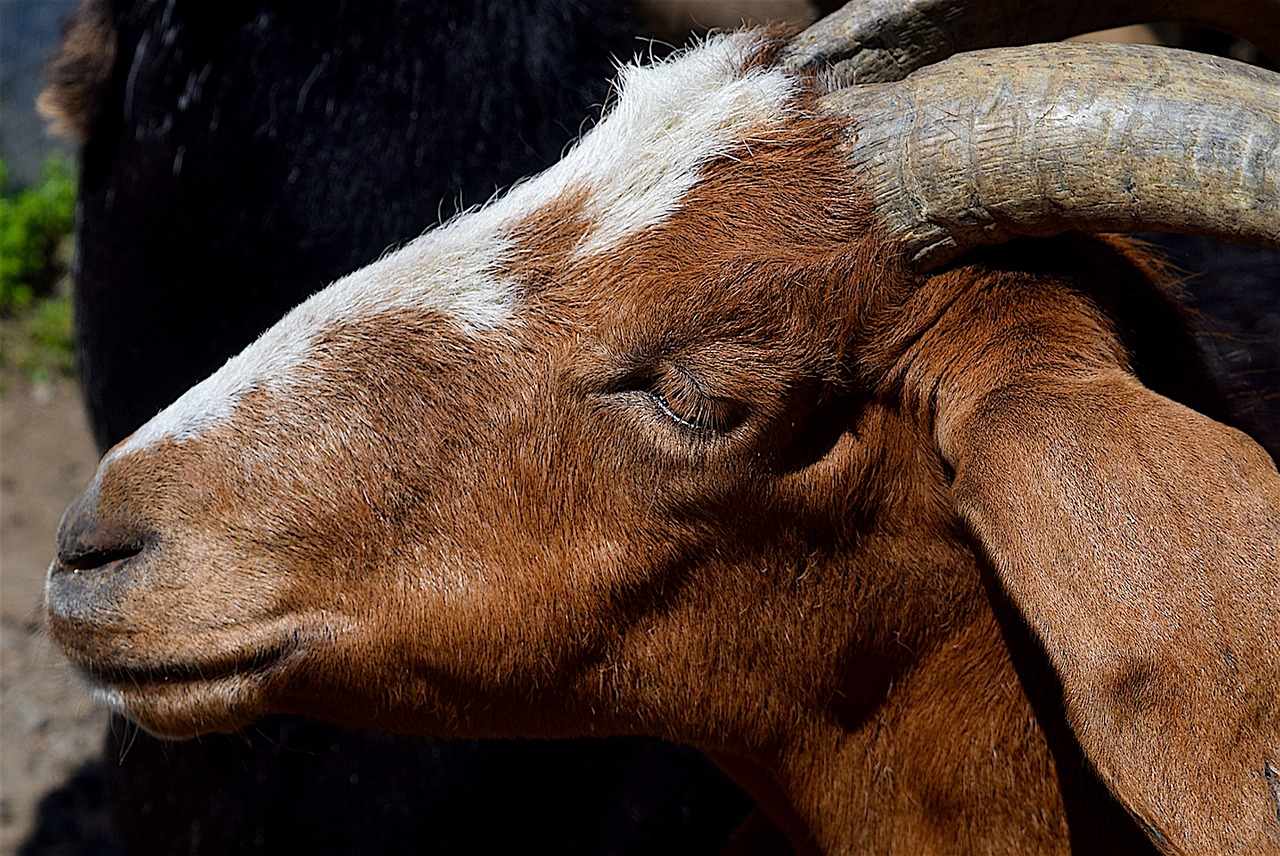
<point>670,440</point>
<point>484,455</point>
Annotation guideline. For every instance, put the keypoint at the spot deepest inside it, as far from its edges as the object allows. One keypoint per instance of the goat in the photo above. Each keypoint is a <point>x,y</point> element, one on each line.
<point>236,158</point>
<point>774,421</point>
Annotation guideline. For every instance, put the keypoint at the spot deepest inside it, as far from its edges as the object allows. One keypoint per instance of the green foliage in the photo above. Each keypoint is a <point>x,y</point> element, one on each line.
<point>34,224</point>
<point>35,252</point>
<point>37,343</point>
<point>50,326</point>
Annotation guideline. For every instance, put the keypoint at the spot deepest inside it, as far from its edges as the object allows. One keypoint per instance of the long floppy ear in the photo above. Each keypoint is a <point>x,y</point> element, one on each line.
<point>1141,541</point>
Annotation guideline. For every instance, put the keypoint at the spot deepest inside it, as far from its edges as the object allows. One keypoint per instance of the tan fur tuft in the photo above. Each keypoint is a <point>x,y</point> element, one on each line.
<point>79,71</point>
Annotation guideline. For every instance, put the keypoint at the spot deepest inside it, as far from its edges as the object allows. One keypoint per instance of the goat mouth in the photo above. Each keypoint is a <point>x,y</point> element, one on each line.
<point>184,699</point>
<point>243,664</point>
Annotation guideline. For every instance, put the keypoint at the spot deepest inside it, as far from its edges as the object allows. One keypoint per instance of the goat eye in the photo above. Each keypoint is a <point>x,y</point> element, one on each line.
<point>681,398</point>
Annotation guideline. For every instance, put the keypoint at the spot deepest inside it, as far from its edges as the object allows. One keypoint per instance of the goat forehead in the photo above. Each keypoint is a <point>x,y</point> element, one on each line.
<point>627,174</point>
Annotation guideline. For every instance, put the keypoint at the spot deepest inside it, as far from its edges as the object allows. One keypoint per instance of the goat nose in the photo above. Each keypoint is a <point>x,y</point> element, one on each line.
<point>89,539</point>
<point>102,556</point>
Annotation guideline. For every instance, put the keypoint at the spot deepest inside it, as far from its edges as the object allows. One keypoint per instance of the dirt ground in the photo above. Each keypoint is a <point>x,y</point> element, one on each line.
<point>50,731</point>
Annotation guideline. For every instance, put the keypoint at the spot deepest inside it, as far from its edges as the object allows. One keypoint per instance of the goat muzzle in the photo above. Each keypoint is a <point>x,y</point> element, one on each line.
<point>99,554</point>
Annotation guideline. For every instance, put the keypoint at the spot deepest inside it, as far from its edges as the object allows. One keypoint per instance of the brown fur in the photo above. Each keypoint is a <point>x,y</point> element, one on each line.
<point>80,70</point>
<point>821,586</point>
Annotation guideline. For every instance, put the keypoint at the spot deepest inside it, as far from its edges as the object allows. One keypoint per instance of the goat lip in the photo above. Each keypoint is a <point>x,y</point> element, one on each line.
<point>182,700</point>
<point>246,664</point>
<point>182,710</point>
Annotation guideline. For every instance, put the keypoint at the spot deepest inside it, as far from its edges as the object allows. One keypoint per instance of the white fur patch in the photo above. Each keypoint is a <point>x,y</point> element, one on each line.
<point>635,166</point>
<point>669,120</point>
<point>450,270</point>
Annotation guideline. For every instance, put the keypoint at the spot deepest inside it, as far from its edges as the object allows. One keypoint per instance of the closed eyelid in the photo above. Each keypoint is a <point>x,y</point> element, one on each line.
<point>665,406</point>
<point>682,397</point>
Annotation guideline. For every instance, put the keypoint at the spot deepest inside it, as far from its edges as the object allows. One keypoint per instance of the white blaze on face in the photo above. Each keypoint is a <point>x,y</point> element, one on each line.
<point>669,120</point>
<point>450,270</point>
<point>633,169</point>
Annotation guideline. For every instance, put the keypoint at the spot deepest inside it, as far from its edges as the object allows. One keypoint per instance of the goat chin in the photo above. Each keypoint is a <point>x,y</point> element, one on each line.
<point>180,710</point>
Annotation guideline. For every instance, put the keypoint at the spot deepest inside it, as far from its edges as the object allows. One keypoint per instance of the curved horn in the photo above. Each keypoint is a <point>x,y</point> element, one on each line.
<point>990,145</point>
<point>875,41</point>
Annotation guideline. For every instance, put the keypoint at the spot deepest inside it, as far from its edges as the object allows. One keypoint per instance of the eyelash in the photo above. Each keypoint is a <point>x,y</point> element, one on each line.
<point>693,410</point>
<point>667,410</point>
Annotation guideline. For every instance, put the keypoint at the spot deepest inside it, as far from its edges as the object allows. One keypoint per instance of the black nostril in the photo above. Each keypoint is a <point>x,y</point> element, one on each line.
<point>90,558</point>
<point>93,536</point>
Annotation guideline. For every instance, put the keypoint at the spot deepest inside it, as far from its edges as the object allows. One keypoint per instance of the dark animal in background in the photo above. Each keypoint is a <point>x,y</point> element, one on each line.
<point>1237,291</point>
<point>237,157</point>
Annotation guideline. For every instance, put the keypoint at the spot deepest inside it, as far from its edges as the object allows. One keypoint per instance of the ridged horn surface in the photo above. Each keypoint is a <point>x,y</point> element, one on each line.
<point>876,41</point>
<point>995,144</point>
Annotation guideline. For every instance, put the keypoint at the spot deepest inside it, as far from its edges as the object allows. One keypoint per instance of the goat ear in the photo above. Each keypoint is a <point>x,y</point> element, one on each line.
<point>1141,542</point>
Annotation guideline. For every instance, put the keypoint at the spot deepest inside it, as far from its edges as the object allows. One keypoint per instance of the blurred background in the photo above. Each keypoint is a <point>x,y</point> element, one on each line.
<point>49,729</point>
<point>29,32</point>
